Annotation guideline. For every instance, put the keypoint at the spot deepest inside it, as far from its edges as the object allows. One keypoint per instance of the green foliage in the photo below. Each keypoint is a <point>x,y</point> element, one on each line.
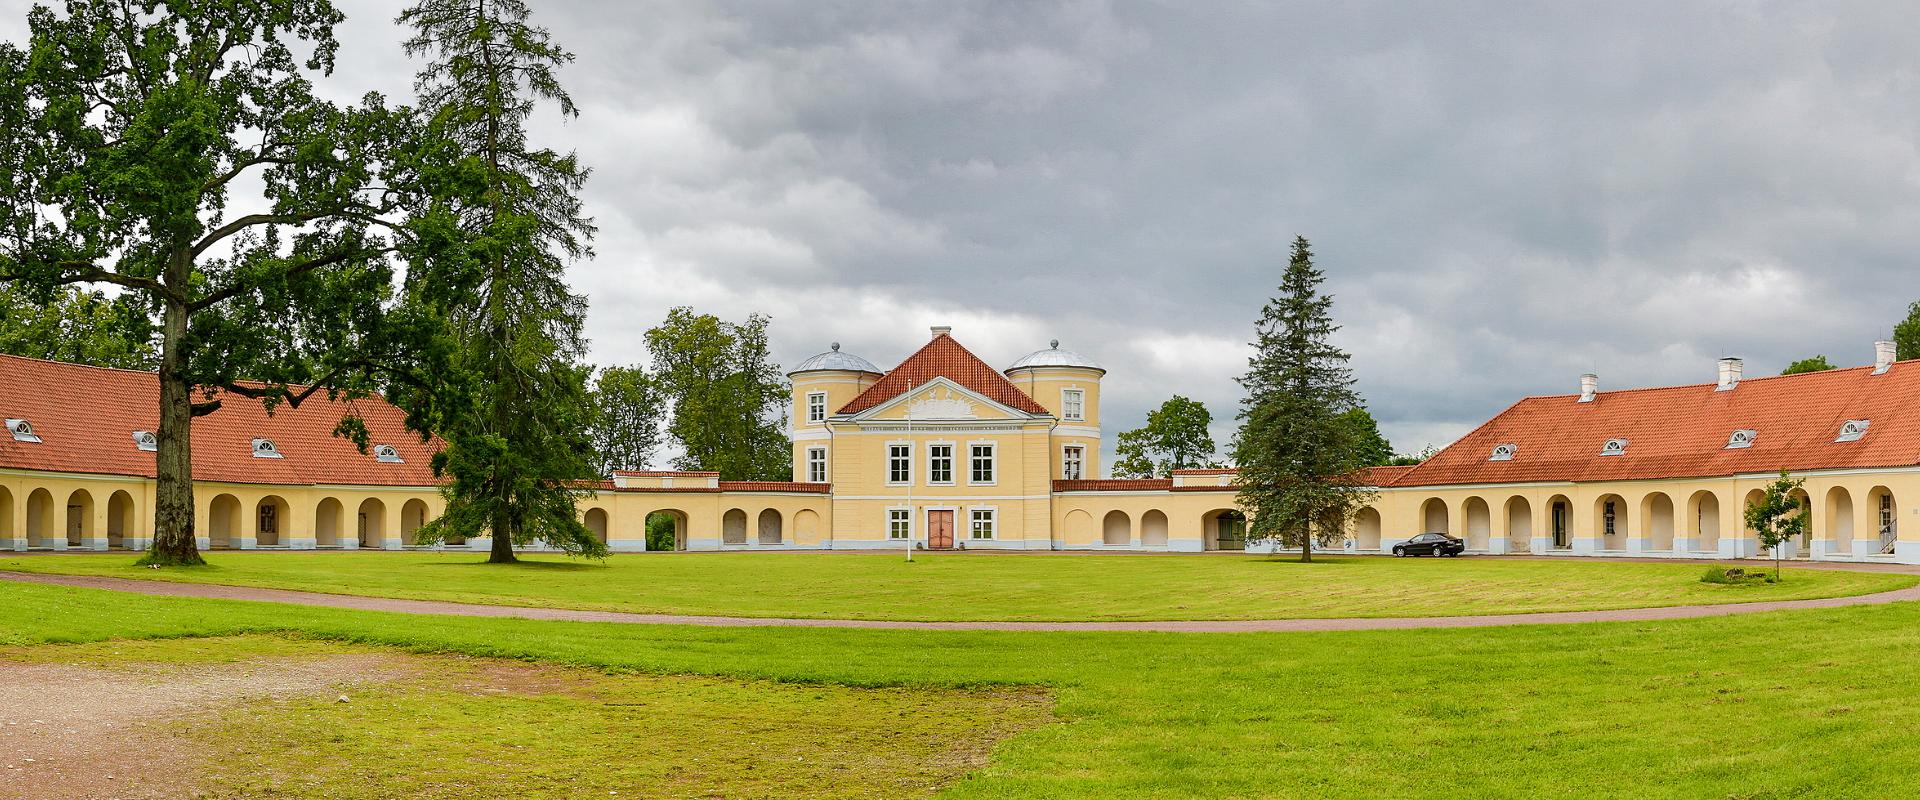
<point>1373,449</point>
<point>627,406</point>
<point>660,532</point>
<point>502,220</point>
<point>1779,516</point>
<point>1717,574</point>
<point>1906,334</point>
<point>729,398</point>
<point>1298,460</point>
<point>1412,459</point>
<point>1176,436</point>
<point>1813,364</point>
<point>126,132</point>
<point>76,325</point>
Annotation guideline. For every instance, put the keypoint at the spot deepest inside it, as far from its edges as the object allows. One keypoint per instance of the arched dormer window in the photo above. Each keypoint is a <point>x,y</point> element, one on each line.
<point>387,454</point>
<point>1504,452</point>
<point>1852,430</point>
<point>1614,447</point>
<point>146,441</point>
<point>22,430</point>
<point>264,448</point>
<point>1742,438</point>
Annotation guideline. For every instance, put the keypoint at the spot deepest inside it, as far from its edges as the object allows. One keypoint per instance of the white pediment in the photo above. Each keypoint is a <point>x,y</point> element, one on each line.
<point>941,403</point>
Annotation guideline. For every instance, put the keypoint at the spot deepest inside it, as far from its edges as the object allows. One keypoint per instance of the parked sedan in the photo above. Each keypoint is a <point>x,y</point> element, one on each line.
<point>1430,544</point>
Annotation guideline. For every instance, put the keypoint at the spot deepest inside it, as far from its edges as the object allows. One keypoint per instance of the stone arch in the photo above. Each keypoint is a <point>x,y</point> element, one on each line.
<point>79,526</point>
<point>596,522</point>
<point>1116,530</point>
<point>371,522</point>
<point>1838,522</point>
<point>270,518</point>
<point>1479,519</point>
<point>223,522</point>
<point>41,521</point>
<point>1747,533</point>
<point>770,528</point>
<point>1703,521</point>
<point>733,527</point>
<point>1153,529</point>
<point>1885,509</point>
<point>1223,529</point>
<point>1519,524</point>
<point>7,533</point>
<point>1802,545</point>
<point>119,518</point>
<point>326,522</point>
<point>1610,522</point>
<point>806,527</point>
<point>1433,516</point>
<point>672,529</point>
<point>1656,521</point>
<point>1560,522</point>
<point>413,514</point>
<point>1078,527</point>
<point>1366,529</point>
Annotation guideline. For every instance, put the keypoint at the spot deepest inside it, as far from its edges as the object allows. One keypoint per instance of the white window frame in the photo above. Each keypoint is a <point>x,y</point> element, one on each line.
<point>890,461</point>
<point>1073,405</point>
<point>816,457</point>
<point>899,516</point>
<point>1073,468</point>
<point>991,515</point>
<point>993,464</point>
<point>816,408</point>
<point>1889,523</point>
<point>933,472</point>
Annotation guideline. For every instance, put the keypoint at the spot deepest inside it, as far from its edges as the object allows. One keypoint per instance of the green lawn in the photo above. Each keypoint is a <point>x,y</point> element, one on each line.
<point>990,587</point>
<point>1790,704</point>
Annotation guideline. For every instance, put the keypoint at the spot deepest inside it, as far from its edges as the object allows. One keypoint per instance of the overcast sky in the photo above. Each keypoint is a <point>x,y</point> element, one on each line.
<point>1503,195</point>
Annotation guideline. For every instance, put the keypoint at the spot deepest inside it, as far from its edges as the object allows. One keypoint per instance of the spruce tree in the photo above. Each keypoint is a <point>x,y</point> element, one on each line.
<point>1299,460</point>
<point>510,398</point>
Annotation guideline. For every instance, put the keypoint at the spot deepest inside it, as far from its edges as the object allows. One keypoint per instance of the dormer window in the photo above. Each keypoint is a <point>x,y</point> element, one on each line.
<point>1614,447</point>
<point>22,431</point>
<point>1852,430</point>
<point>146,441</point>
<point>263,448</point>
<point>1741,439</point>
<point>1504,452</point>
<point>387,454</point>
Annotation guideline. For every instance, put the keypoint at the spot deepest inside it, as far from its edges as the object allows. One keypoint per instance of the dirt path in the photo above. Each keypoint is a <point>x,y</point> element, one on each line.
<point>1199,626</point>
<point>72,732</point>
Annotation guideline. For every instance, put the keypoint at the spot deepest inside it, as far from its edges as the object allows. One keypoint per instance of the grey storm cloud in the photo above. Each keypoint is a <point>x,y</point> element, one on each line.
<point>1503,195</point>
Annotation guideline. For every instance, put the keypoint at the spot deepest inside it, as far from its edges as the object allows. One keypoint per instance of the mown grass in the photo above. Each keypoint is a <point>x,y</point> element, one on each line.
<point>1790,704</point>
<point>989,587</point>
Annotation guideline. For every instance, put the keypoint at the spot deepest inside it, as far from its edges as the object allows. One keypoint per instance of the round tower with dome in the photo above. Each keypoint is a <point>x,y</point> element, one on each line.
<point>1068,385</point>
<point>821,385</point>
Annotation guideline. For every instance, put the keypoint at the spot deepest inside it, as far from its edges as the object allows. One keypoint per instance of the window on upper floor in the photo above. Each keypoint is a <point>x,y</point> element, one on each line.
<point>940,463</point>
<point>899,523</point>
<point>1073,404</point>
<point>981,468</point>
<point>816,465</point>
<point>1073,462</point>
<point>816,406</point>
<point>899,463</point>
<point>982,527</point>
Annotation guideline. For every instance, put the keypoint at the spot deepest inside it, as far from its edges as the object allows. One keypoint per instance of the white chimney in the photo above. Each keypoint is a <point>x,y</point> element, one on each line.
<point>1884,354</point>
<point>1589,383</point>
<point>1730,369</point>
<point>941,330</point>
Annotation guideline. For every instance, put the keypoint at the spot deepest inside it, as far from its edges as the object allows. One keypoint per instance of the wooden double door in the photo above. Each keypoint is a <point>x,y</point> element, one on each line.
<point>940,529</point>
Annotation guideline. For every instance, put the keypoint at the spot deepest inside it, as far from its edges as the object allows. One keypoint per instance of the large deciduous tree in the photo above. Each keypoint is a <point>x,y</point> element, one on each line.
<point>127,133</point>
<point>1370,446</point>
<point>626,418</point>
<point>1299,461</point>
<point>73,324</point>
<point>728,396</point>
<point>1176,436</point>
<point>1906,334</point>
<point>1810,364</point>
<point>510,399</point>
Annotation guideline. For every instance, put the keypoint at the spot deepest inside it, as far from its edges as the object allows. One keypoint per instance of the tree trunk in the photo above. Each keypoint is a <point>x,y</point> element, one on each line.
<point>502,550</point>
<point>1306,545</point>
<point>173,543</point>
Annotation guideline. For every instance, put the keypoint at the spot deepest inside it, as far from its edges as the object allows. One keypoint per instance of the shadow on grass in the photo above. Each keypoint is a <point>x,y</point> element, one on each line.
<point>1317,560</point>
<point>555,566</point>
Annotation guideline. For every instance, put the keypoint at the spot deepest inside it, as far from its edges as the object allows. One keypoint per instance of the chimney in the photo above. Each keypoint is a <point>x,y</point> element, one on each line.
<point>1730,369</point>
<point>1589,383</point>
<point>1884,354</point>
<point>941,330</point>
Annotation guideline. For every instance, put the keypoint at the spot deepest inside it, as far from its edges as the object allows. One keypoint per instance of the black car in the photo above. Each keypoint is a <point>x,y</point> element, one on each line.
<point>1430,544</point>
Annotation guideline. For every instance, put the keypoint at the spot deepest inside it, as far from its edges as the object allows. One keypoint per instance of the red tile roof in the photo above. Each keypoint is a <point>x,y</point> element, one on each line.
<point>776,486</point>
<point>1383,476</point>
<point>86,416</point>
<point>944,357</point>
<point>1682,431</point>
<point>1117,485</point>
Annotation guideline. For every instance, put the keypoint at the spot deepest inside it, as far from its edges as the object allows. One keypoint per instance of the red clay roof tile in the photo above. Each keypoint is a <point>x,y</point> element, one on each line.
<point>944,357</point>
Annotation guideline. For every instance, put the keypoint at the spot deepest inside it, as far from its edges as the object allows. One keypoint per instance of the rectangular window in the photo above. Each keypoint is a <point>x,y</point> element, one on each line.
<point>939,463</point>
<point>1609,517</point>
<point>816,406</point>
<point>1073,461</point>
<point>899,523</point>
<point>982,527</point>
<point>816,465</point>
<point>1886,515</point>
<point>269,518</point>
<point>1073,404</point>
<point>899,463</point>
<point>982,464</point>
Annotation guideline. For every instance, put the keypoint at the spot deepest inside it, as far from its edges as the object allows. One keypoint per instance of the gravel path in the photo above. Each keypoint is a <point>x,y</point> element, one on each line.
<point>1196,626</point>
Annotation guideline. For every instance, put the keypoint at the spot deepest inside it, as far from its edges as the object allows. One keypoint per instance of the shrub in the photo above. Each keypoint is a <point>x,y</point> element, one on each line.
<point>1735,575</point>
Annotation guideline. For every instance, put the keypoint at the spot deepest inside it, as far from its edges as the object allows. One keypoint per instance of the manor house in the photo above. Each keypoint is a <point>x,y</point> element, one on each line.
<point>944,451</point>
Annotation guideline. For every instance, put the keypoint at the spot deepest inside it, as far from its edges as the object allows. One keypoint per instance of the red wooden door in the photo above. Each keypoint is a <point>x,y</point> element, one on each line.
<point>940,530</point>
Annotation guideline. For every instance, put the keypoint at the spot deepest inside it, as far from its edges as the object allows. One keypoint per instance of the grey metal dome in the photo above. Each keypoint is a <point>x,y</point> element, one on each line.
<point>1053,356</point>
<point>835,360</point>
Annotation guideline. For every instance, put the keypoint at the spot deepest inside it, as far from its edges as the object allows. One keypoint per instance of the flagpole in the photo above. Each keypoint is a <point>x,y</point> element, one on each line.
<point>913,515</point>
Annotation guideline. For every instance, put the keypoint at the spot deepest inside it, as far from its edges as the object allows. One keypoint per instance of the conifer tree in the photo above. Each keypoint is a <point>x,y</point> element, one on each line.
<point>510,399</point>
<point>1299,459</point>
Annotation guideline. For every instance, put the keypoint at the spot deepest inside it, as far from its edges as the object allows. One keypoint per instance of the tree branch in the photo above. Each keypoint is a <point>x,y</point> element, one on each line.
<point>298,269</point>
